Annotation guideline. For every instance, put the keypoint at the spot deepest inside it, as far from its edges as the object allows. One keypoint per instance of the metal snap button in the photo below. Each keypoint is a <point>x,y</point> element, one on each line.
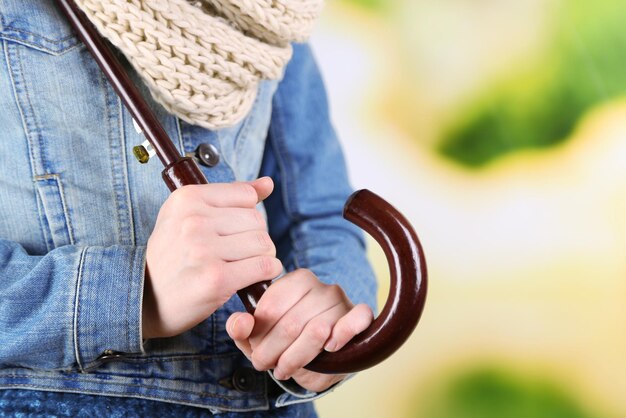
<point>208,155</point>
<point>109,355</point>
<point>244,379</point>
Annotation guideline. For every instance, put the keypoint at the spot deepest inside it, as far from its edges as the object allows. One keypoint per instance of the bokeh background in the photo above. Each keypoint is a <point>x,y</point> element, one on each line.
<point>499,128</point>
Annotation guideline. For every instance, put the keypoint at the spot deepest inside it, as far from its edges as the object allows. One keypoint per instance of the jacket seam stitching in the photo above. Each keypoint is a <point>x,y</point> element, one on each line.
<point>129,204</point>
<point>127,314</point>
<point>36,130</point>
<point>70,229</point>
<point>8,37</point>
<point>177,358</point>
<point>122,221</point>
<point>39,47</point>
<point>142,283</point>
<point>107,113</point>
<point>126,212</point>
<point>81,264</point>
<point>52,41</point>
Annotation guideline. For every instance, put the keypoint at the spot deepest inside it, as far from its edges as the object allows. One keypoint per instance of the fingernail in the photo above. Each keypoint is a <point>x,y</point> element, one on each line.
<point>233,323</point>
<point>279,375</point>
<point>331,346</point>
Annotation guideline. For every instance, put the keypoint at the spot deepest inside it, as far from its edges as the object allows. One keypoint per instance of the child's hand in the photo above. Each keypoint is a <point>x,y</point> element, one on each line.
<point>208,242</point>
<point>297,318</point>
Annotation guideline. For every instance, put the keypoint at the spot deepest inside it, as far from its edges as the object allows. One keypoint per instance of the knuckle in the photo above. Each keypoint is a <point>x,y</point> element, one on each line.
<point>190,225</point>
<point>176,195</point>
<point>197,254</point>
<point>288,364</point>
<point>311,278</point>
<point>184,194</point>
<point>180,199</point>
<point>265,242</point>
<point>268,312</point>
<point>304,276</point>
<point>261,361</point>
<point>335,291</point>
<point>319,331</point>
<point>267,266</point>
<point>171,203</point>
<point>264,265</point>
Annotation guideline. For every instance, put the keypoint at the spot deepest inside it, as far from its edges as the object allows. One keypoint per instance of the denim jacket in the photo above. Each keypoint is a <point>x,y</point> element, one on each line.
<point>77,210</point>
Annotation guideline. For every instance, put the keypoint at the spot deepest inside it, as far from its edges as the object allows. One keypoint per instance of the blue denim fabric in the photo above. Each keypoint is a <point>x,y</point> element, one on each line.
<point>76,211</point>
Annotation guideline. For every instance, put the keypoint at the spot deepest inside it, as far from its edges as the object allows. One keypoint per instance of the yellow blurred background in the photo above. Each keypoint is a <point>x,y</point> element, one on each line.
<point>498,127</point>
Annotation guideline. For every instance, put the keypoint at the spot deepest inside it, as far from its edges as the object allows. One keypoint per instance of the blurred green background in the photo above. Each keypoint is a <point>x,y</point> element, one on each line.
<point>499,128</point>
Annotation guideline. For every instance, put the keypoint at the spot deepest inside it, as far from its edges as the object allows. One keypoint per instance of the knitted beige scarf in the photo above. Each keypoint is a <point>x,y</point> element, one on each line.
<point>203,60</point>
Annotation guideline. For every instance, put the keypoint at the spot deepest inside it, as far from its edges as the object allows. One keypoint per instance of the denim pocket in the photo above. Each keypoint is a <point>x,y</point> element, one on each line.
<point>37,24</point>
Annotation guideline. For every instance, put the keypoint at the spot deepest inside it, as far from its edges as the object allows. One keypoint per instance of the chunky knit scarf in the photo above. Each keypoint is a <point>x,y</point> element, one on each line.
<point>203,60</point>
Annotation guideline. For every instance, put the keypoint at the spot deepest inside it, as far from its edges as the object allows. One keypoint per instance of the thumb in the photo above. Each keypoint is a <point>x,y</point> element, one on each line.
<point>263,186</point>
<point>240,325</point>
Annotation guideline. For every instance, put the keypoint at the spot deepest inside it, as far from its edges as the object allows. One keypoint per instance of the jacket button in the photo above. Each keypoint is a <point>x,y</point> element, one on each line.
<point>208,155</point>
<point>109,355</point>
<point>244,379</point>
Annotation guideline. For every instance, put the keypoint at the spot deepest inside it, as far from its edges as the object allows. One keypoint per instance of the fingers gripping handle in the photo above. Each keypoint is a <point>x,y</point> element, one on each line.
<point>407,294</point>
<point>184,172</point>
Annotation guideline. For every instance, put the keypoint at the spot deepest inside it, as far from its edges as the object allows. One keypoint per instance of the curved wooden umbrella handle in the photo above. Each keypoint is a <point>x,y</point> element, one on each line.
<point>407,293</point>
<point>389,228</point>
